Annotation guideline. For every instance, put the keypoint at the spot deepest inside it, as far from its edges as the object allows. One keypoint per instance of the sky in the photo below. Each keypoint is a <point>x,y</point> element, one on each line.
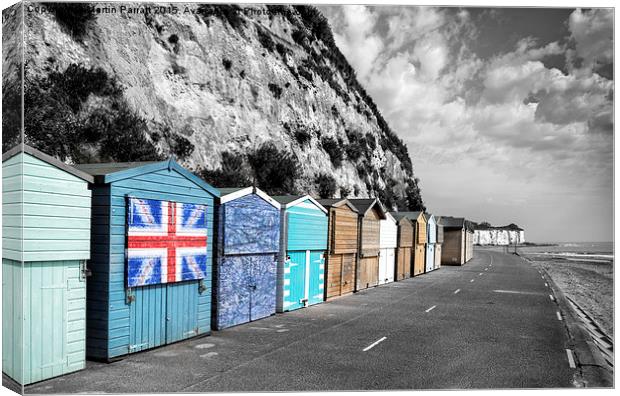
<point>507,113</point>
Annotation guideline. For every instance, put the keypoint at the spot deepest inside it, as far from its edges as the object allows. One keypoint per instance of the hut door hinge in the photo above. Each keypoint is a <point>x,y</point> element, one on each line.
<point>129,296</point>
<point>85,272</point>
<point>202,287</point>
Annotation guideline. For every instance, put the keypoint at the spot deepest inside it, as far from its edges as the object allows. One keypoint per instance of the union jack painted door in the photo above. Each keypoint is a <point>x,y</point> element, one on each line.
<point>166,242</point>
<point>166,259</point>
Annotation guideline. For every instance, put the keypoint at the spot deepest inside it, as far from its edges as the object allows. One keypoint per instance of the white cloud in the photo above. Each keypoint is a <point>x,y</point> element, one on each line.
<point>592,32</point>
<point>506,127</point>
<point>357,40</point>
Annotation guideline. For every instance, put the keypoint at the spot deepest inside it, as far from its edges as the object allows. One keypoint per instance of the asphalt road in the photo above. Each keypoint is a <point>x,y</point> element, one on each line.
<point>500,330</point>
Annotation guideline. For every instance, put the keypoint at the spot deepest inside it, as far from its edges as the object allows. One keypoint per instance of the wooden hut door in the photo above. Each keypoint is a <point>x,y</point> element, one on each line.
<point>348,273</point>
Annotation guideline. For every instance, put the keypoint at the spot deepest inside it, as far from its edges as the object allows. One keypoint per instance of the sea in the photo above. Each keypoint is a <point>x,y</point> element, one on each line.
<point>586,252</point>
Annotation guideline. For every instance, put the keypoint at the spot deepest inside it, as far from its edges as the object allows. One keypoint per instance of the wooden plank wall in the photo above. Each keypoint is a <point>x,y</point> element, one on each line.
<point>403,262</point>
<point>452,248</point>
<point>368,271</point>
<point>341,261</point>
<point>12,319</point>
<point>57,208</point>
<point>419,255</point>
<point>12,208</point>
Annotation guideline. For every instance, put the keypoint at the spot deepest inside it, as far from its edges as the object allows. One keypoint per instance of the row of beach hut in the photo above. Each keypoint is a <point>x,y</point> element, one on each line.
<point>103,260</point>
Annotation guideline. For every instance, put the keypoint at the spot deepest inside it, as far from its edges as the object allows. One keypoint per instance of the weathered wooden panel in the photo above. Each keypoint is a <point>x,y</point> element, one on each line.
<point>371,233</point>
<point>344,230</point>
<point>418,259</point>
<point>452,250</point>
<point>421,232</point>
<point>438,248</point>
<point>333,281</point>
<point>440,235</point>
<point>340,275</point>
<point>368,272</point>
<point>405,234</point>
<point>348,273</point>
<point>469,245</point>
<point>403,263</point>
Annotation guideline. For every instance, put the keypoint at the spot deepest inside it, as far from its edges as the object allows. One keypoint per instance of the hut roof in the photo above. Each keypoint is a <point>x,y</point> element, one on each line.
<point>114,171</point>
<point>412,216</point>
<point>452,222</point>
<point>288,201</point>
<point>23,148</point>
<point>364,205</point>
<point>336,203</point>
<point>232,193</point>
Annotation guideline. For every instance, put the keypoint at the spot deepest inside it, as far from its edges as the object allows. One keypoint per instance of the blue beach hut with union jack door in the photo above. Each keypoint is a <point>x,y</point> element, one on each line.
<point>151,255</point>
<point>247,252</point>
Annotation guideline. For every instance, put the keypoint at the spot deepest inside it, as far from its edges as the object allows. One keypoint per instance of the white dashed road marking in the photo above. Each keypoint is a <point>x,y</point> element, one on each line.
<point>374,343</point>
<point>431,308</point>
<point>571,360</point>
<point>558,315</point>
<point>551,297</point>
<point>471,280</point>
<point>456,291</point>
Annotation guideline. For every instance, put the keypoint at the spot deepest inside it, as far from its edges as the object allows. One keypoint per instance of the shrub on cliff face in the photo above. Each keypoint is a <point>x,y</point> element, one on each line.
<point>275,170</point>
<point>74,18</point>
<point>56,122</point>
<point>333,149</point>
<point>264,38</point>
<point>232,173</point>
<point>275,90</point>
<point>231,13</point>
<point>11,113</point>
<point>326,186</point>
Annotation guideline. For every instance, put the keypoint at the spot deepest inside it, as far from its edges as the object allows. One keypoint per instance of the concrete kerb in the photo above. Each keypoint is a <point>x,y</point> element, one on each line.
<point>593,374</point>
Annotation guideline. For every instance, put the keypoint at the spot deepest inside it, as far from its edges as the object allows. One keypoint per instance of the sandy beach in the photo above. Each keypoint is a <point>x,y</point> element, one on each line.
<point>585,277</point>
<point>589,284</point>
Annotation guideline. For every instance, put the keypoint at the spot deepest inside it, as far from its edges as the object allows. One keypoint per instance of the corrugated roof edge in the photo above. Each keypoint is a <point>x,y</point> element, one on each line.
<point>24,148</point>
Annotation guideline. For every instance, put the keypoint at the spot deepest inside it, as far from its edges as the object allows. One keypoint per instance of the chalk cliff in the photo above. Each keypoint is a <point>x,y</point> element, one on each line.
<point>237,94</point>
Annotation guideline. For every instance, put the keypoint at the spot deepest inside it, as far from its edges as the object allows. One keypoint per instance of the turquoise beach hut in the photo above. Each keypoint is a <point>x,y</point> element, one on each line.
<point>152,234</point>
<point>303,245</point>
<point>431,232</point>
<point>46,213</point>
